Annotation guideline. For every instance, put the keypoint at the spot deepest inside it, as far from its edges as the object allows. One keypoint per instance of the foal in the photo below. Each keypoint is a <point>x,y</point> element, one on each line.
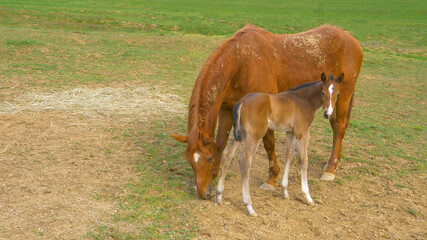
<point>292,111</point>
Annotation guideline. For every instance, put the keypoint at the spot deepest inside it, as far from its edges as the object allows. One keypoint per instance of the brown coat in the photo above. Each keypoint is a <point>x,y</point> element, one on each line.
<point>255,60</point>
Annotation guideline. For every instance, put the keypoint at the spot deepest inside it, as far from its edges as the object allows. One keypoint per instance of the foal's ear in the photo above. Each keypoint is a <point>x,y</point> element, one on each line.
<point>323,77</point>
<point>340,78</point>
<point>179,138</point>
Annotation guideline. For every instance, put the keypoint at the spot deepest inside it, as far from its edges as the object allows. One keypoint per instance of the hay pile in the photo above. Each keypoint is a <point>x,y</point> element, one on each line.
<point>144,102</point>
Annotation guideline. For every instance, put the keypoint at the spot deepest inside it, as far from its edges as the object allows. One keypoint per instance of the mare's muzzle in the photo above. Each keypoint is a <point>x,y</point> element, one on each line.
<point>206,195</point>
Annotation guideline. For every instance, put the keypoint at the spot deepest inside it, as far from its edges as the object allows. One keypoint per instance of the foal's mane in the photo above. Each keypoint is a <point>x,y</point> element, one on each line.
<point>304,85</point>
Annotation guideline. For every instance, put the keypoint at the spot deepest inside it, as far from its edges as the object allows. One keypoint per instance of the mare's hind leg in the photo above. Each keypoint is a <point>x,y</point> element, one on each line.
<point>290,153</point>
<point>245,161</point>
<point>303,143</point>
<point>339,124</point>
<point>274,168</point>
<point>225,122</point>
<point>227,156</point>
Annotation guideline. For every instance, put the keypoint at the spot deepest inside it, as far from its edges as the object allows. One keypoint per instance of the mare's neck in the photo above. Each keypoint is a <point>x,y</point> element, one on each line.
<point>204,106</point>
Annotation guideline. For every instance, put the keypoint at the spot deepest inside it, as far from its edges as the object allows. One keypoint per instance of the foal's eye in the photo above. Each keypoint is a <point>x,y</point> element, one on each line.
<point>209,159</point>
<point>323,94</point>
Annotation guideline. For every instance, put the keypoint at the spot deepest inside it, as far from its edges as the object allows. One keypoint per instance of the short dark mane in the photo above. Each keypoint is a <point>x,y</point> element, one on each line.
<point>303,86</point>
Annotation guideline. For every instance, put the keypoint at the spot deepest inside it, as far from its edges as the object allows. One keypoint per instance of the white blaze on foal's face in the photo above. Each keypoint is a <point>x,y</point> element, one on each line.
<point>330,108</point>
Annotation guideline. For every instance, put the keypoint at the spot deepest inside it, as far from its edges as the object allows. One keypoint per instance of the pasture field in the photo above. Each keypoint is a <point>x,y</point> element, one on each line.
<point>91,90</point>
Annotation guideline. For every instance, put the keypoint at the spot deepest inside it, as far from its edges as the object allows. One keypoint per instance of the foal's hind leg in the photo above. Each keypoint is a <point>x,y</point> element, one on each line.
<point>227,156</point>
<point>245,161</point>
<point>274,168</point>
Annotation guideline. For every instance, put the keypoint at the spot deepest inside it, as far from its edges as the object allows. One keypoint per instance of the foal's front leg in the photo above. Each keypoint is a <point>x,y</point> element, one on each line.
<point>290,153</point>
<point>245,161</point>
<point>303,143</point>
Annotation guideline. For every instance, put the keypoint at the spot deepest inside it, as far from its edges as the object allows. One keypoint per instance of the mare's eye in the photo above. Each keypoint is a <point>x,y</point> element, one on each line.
<point>323,94</point>
<point>209,159</point>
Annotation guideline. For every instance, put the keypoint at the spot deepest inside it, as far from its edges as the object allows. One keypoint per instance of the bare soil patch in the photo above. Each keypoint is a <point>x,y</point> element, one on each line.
<point>366,207</point>
<point>55,170</point>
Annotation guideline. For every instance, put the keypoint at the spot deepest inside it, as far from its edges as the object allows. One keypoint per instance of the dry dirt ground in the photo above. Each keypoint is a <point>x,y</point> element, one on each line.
<point>54,166</point>
<point>372,208</point>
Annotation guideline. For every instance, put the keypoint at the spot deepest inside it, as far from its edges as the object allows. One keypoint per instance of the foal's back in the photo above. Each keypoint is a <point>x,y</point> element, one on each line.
<point>283,111</point>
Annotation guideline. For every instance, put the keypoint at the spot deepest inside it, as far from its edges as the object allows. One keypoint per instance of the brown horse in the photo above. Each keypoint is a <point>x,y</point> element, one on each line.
<point>255,60</point>
<point>291,111</point>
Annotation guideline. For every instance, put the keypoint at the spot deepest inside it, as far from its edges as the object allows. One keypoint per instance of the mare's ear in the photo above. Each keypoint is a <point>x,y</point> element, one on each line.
<point>179,138</point>
<point>205,138</point>
<point>323,77</point>
<point>340,78</point>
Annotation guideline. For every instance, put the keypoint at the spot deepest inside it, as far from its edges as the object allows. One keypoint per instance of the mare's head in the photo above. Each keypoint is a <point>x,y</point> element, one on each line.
<point>201,154</point>
<point>330,93</point>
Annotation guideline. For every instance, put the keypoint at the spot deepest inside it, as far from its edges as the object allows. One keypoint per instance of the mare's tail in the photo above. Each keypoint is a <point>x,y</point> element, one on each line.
<point>237,132</point>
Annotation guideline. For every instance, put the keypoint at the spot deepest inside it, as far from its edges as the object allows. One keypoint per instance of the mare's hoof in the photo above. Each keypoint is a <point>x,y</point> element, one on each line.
<point>327,176</point>
<point>267,186</point>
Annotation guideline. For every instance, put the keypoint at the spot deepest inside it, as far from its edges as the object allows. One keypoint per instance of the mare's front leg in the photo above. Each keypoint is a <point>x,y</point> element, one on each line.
<point>225,123</point>
<point>302,148</point>
<point>339,124</point>
<point>274,168</point>
<point>245,161</point>
<point>227,156</point>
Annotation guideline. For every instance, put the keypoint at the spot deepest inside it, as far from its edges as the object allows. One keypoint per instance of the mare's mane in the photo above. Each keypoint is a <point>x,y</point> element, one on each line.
<point>194,117</point>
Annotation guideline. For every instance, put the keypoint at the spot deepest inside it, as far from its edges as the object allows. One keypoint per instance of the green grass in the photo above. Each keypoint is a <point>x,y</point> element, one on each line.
<point>49,45</point>
<point>392,23</point>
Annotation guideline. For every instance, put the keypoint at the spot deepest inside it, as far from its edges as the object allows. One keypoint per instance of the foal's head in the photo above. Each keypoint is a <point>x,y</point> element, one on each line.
<point>330,93</point>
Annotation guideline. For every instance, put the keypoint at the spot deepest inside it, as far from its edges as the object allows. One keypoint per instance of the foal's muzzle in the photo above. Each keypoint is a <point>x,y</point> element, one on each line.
<point>326,116</point>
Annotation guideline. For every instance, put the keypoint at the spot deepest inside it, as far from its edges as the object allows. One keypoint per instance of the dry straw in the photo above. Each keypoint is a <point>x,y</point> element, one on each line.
<point>145,102</point>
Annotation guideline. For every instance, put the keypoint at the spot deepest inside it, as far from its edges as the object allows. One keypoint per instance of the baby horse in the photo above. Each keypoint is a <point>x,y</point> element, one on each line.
<point>292,111</point>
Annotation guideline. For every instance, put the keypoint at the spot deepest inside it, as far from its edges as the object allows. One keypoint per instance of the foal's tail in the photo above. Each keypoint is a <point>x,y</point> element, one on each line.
<point>237,132</point>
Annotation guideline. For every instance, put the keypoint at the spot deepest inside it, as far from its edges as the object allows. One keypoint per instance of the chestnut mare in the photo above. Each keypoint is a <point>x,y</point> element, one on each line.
<point>255,60</point>
<point>291,111</point>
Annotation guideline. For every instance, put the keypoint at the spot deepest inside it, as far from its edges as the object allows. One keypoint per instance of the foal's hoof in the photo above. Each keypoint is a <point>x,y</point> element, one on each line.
<point>284,193</point>
<point>251,211</point>
<point>218,199</point>
<point>327,176</point>
<point>253,214</point>
<point>267,186</point>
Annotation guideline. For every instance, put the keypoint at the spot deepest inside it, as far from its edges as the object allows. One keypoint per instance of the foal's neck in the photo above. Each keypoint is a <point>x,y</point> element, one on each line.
<point>312,95</point>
